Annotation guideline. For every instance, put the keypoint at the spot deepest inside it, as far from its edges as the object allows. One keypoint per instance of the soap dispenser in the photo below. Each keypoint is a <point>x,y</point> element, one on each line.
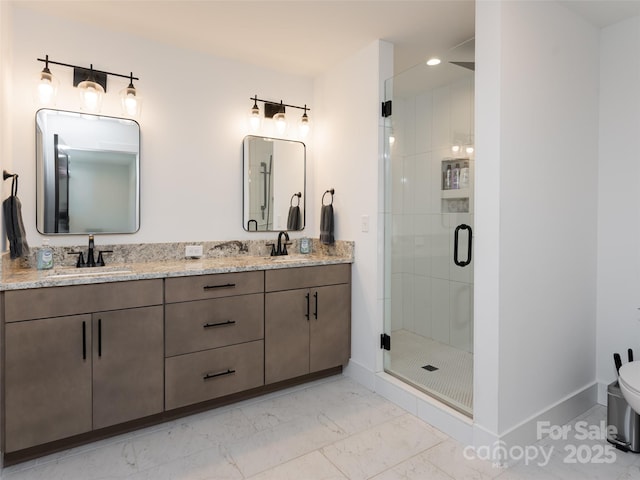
<point>45,256</point>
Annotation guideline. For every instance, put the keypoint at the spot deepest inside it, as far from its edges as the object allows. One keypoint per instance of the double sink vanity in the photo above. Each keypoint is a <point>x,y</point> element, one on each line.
<point>93,352</point>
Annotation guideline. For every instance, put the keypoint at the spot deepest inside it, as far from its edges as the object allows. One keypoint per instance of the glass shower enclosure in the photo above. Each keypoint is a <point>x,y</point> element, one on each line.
<point>429,185</point>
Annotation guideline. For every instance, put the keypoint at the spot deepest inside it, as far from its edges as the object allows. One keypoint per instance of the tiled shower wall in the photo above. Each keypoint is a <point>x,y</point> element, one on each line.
<point>430,296</point>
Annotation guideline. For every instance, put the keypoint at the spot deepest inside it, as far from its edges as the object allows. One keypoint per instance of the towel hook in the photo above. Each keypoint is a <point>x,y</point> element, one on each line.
<point>331,191</point>
<point>299,195</point>
<point>14,181</point>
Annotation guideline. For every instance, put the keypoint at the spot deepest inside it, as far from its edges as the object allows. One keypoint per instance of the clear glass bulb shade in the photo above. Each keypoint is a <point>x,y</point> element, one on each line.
<point>91,94</point>
<point>281,122</point>
<point>46,89</point>
<point>254,119</point>
<point>305,125</point>
<point>131,102</point>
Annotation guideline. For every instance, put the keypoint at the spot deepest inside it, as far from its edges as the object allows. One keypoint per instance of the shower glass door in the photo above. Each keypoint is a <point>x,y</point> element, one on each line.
<point>429,187</point>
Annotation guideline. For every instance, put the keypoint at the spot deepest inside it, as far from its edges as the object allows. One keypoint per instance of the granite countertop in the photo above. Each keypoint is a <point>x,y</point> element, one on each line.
<point>23,278</point>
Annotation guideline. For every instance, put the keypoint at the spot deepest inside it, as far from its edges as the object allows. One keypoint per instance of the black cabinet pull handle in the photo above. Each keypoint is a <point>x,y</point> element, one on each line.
<point>462,263</point>
<point>99,337</point>
<point>315,313</point>
<point>84,340</point>
<point>221,324</point>
<point>209,376</point>
<point>213,287</point>
<point>307,314</point>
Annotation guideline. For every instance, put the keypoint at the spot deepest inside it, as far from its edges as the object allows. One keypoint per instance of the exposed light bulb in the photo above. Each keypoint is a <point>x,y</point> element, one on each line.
<point>91,99</point>
<point>281,122</point>
<point>131,101</point>
<point>254,115</point>
<point>91,94</point>
<point>47,86</point>
<point>304,123</point>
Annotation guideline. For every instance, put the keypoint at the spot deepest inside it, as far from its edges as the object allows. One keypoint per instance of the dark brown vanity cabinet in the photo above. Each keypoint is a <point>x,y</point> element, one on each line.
<point>214,336</point>
<point>307,329</point>
<point>81,369</point>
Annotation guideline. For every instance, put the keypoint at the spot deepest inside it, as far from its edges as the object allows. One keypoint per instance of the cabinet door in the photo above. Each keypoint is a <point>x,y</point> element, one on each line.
<point>48,380</point>
<point>330,327</point>
<point>286,335</point>
<point>128,361</point>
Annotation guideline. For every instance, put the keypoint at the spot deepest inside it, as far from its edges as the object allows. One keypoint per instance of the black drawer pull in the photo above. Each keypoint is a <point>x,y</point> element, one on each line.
<point>221,324</point>
<point>213,287</point>
<point>84,340</point>
<point>307,314</point>
<point>209,376</point>
<point>99,337</point>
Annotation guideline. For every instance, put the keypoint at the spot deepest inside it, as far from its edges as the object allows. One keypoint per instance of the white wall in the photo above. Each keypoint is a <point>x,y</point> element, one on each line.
<point>348,149</point>
<point>194,118</point>
<point>536,197</point>
<point>618,318</point>
<point>5,86</point>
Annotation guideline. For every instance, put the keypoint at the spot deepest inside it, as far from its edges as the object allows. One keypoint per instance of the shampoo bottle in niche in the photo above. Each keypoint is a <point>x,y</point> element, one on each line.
<point>447,178</point>
<point>455,177</point>
<point>464,175</point>
<point>45,256</point>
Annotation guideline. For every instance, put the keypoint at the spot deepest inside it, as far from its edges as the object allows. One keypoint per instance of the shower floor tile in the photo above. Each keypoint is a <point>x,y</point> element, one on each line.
<point>413,359</point>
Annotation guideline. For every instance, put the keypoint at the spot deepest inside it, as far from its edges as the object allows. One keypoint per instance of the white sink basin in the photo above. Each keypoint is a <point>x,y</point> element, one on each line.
<point>88,272</point>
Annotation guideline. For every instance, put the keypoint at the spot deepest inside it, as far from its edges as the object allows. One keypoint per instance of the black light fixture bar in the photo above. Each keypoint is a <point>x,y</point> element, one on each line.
<point>270,102</point>
<point>81,74</point>
<point>94,70</point>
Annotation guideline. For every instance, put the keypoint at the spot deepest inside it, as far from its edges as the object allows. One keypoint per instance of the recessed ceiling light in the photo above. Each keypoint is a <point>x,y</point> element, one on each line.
<point>433,61</point>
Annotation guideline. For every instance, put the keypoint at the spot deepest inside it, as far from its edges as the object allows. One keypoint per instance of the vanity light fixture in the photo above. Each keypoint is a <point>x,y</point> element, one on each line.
<point>47,85</point>
<point>276,111</point>
<point>92,85</point>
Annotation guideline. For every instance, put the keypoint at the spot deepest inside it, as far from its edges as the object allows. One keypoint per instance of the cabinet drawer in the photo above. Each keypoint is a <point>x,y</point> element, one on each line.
<point>201,287</point>
<point>77,299</point>
<point>201,376</point>
<point>205,324</point>
<point>304,277</point>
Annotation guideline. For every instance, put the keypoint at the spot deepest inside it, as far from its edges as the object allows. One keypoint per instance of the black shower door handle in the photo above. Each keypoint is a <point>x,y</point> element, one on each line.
<point>462,263</point>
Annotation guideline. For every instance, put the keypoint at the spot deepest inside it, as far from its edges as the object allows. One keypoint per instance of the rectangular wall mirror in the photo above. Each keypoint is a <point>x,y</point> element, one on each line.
<point>87,173</point>
<point>274,184</point>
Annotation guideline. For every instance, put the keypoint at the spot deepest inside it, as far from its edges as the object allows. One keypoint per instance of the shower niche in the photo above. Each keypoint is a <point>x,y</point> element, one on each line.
<point>456,190</point>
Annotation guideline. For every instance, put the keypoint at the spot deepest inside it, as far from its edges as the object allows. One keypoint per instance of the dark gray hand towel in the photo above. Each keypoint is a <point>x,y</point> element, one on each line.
<point>12,210</point>
<point>293,221</point>
<point>326,225</point>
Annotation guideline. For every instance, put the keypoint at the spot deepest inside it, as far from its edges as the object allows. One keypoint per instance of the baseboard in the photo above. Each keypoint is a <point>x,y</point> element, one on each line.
<point>527,432</point>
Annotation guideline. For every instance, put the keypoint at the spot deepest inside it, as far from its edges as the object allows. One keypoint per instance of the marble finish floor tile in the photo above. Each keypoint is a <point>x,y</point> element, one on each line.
<point>332,429</point>
<point>370,452</point>
<point>312,466</point>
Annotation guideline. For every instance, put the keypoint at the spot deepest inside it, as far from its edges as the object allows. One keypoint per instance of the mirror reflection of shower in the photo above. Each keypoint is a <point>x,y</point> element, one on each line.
<point>267,187</point>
